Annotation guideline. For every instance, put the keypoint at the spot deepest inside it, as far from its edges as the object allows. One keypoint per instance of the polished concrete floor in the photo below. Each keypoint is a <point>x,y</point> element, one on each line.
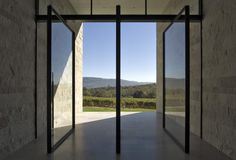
<point>142,139</point>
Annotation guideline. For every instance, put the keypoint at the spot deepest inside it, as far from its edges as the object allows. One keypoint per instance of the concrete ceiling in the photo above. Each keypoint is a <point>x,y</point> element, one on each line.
<point>129,6</point>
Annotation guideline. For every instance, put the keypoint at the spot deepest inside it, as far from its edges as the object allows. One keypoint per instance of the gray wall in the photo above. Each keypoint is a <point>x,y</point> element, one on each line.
<point>17,68</point>
<point>17,60</point>
<point>219,76</point>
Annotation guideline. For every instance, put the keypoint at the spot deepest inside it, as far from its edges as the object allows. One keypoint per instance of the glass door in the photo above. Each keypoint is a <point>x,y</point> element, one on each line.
<point>60,79</point>
<point>176,79</point>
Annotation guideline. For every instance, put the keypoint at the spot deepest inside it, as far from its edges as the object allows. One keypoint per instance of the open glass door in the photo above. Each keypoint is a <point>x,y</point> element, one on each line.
<point>60,80</point>
<point>176,79</point>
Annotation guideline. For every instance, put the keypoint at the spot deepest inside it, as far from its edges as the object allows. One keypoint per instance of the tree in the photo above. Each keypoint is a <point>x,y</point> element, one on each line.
<point>138,94</point>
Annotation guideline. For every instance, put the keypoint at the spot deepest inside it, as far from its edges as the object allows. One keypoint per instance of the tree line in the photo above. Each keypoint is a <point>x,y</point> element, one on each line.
<point>142,91</point>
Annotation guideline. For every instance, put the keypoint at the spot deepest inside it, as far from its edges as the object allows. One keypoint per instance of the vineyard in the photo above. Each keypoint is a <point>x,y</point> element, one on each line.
<point>147,103</point>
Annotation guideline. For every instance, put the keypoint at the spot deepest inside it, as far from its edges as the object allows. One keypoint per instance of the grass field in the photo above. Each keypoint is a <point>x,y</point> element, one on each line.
<point>104,109</point>
<point>102,104</point>
<point>146,103</point>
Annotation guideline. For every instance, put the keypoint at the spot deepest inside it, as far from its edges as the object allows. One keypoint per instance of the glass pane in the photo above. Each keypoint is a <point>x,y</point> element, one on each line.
<point>127,6</point>
<point>171,6</point>
<point>62,81</point>
<point>175,81</point>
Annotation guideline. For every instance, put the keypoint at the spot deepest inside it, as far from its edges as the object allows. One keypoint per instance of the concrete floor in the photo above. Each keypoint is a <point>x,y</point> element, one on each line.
<point>142,139</point>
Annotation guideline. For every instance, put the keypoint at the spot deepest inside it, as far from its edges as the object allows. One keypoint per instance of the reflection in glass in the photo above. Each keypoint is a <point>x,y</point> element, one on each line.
<point>175,81</point>
<point>61,81</point>
<point>164,7</point>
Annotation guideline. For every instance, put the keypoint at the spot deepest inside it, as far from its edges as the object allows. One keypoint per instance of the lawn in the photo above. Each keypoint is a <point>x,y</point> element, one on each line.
<point>146,103</point>
<point>105,109</point>
<point>101,104</point>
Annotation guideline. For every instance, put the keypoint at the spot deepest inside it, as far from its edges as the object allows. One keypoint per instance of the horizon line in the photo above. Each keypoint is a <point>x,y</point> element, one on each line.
<point>121,79</point>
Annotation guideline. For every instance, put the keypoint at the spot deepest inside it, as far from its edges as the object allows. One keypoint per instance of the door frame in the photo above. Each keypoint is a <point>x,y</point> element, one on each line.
<point>186,12</point>
<point>118,79</point>
<point>117,18</point>
<point>50,100</point>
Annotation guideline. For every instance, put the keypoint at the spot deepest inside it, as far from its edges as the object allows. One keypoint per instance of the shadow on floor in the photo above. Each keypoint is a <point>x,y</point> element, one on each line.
<point>142,139</point>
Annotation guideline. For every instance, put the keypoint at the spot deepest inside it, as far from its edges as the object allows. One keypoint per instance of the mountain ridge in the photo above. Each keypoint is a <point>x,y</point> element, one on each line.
<point>97,82</point>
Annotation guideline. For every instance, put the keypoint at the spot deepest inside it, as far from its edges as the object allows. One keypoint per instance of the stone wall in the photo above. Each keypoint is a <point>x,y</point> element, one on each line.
<point>17,68</point>
<point>79,71</point>
<point>17,74</point>
<point>63,97</point>
<point>219,75</point>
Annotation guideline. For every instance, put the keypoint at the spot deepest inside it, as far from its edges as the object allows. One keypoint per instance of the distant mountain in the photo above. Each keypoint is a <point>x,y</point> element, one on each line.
<point>94,82</point>
<point>172,83</point>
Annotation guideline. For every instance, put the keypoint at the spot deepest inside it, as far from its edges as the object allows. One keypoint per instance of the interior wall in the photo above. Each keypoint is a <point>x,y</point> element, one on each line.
<point>219,75</point>
<point>17,68</point>
<point>17,78</point>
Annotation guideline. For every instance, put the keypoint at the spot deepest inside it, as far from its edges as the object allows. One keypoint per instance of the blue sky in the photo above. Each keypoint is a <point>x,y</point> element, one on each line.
<point>138,51</point>
<point>61,49</point>
<point>175,51</point>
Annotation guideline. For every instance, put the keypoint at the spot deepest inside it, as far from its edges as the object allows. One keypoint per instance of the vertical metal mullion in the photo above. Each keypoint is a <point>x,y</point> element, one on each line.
<point>73,80</point>
<point>164,86</point>
<point>118,57</point>
<point>49,67</point>
<point>91,7</point>
<point>145,7</point>
<point>200,7</point>
<point>201,82</point>
<point>187,83</point>
<point>52,100</point>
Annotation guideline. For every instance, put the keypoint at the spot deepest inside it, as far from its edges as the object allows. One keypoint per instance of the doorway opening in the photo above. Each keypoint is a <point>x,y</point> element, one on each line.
<point>136,95</point>
<point>138,67</point>
<point>99,62</point>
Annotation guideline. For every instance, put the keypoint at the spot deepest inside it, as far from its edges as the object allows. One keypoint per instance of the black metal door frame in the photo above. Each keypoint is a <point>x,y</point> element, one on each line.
<point>186,20</point>
<point>50,102</point>
<point>118,80</point>
<point>117,18</point>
